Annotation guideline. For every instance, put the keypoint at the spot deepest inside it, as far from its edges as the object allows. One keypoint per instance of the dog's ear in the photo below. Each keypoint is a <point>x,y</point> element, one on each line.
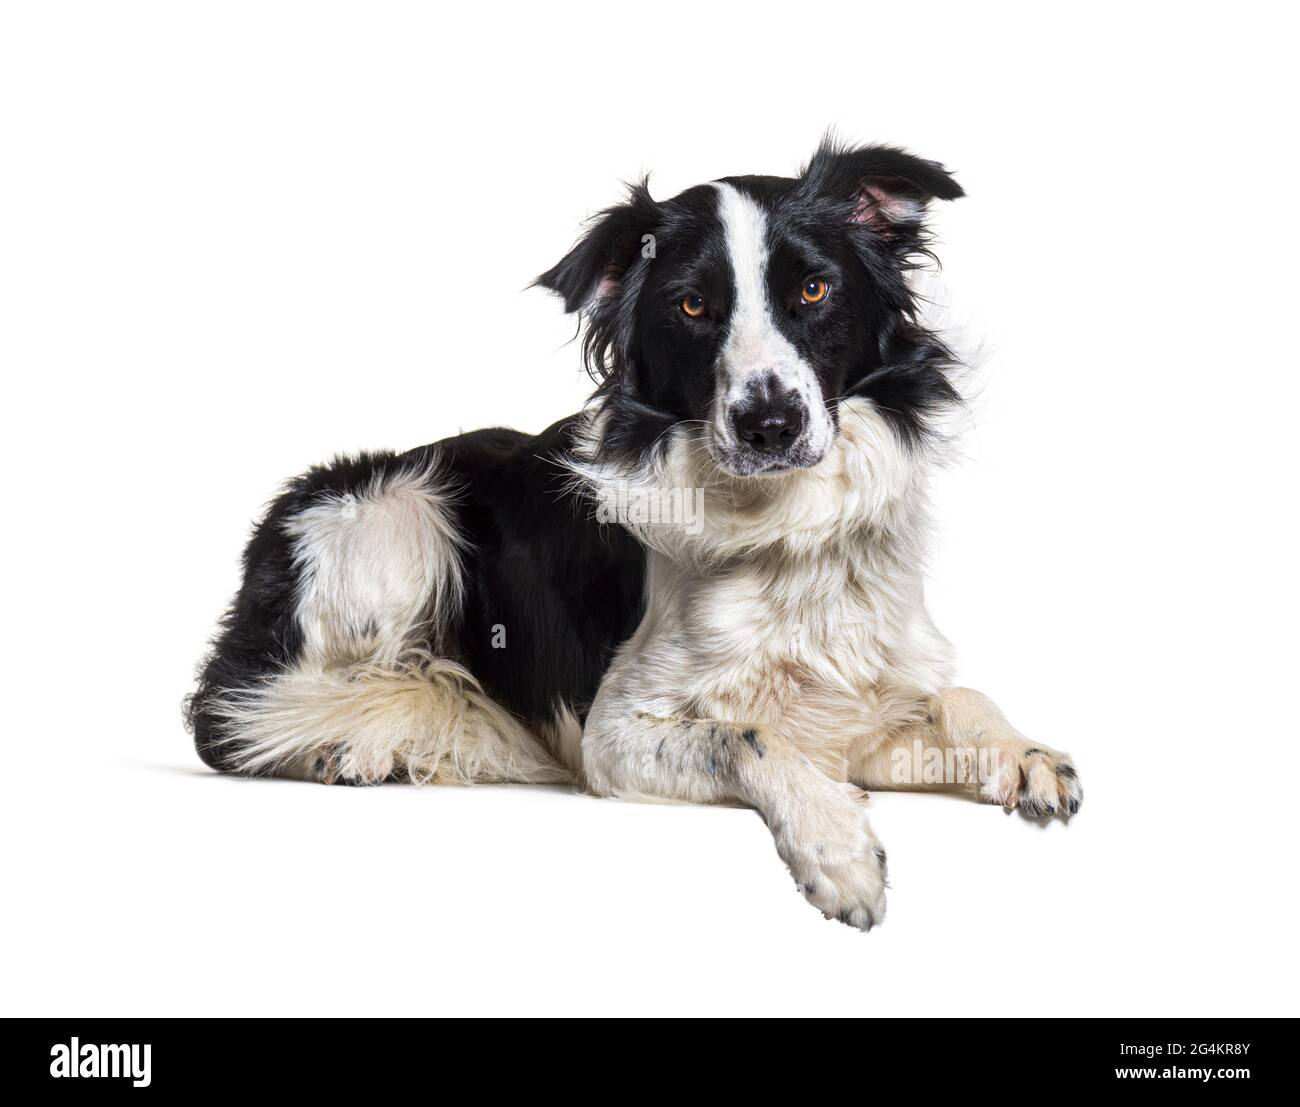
<point>593,271</point>
<point>888,187</point>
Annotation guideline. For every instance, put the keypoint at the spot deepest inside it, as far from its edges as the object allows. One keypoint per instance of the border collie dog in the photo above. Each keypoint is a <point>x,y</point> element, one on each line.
<point>706,586</point>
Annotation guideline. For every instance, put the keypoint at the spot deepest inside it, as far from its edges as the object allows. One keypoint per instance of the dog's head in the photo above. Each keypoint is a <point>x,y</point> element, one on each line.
<point>750,308</point>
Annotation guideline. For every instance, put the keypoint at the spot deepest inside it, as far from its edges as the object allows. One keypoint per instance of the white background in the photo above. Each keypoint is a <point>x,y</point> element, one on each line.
<point>236,238</point>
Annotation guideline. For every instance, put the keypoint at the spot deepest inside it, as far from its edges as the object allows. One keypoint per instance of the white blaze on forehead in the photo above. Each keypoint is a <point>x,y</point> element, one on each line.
<point>754,348</point>
<point>751,335</point>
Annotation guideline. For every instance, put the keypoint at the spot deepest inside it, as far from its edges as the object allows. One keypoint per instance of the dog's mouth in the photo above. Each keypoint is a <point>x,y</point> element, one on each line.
<point>739,459</point>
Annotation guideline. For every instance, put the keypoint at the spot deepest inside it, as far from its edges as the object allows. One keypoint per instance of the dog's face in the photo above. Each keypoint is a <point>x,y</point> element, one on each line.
<point>748,308</point>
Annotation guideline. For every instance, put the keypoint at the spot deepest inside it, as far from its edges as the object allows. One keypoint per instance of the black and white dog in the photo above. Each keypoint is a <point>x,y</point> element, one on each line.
<point>707,586</point>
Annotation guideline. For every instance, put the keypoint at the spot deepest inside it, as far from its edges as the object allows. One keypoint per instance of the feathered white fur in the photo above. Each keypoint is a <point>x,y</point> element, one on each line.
<point>419,717</point>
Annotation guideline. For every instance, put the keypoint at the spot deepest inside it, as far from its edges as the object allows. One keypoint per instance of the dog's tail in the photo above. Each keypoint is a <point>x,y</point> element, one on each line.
<point>422,718</point>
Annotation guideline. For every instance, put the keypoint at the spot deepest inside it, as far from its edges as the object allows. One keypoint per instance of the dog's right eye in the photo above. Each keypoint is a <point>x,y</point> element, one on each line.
<point>693,305</point>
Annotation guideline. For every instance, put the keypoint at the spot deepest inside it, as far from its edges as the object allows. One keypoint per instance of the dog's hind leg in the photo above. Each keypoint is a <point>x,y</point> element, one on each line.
<point>333,661</point>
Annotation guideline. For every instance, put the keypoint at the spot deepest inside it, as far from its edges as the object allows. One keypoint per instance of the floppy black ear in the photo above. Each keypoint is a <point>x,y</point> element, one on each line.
<point>888,187</point>
<point>593,270</point>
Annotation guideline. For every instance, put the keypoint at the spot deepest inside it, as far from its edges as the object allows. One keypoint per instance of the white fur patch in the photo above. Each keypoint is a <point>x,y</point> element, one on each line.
<point>375,567</point>
<point>755,350</point>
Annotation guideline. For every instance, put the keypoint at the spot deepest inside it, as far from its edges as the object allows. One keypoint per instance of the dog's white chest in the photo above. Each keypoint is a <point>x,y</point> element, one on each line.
<point>812,647</point>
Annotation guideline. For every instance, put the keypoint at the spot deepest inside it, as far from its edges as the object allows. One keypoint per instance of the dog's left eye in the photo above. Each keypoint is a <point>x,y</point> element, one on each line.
<point>814,292</point>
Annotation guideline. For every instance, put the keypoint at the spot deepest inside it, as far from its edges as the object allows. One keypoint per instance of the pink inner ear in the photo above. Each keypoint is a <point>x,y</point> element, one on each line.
<point>881,208</point>
<point>608,286</point>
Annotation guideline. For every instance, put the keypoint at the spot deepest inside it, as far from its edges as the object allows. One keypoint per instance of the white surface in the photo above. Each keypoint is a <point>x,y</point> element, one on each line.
<point>237,240</point>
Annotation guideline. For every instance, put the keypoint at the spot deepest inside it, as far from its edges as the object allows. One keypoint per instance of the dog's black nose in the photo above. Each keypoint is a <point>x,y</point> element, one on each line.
<point>770,428</point>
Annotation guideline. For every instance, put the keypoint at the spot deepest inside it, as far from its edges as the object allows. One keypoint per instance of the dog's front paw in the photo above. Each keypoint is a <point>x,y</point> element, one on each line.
<point>835,859</point>
<point>1040,782</point>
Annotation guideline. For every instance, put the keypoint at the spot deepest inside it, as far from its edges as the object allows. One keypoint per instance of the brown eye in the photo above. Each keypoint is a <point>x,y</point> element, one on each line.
<point>814,292</point>
<point>693,305</point>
